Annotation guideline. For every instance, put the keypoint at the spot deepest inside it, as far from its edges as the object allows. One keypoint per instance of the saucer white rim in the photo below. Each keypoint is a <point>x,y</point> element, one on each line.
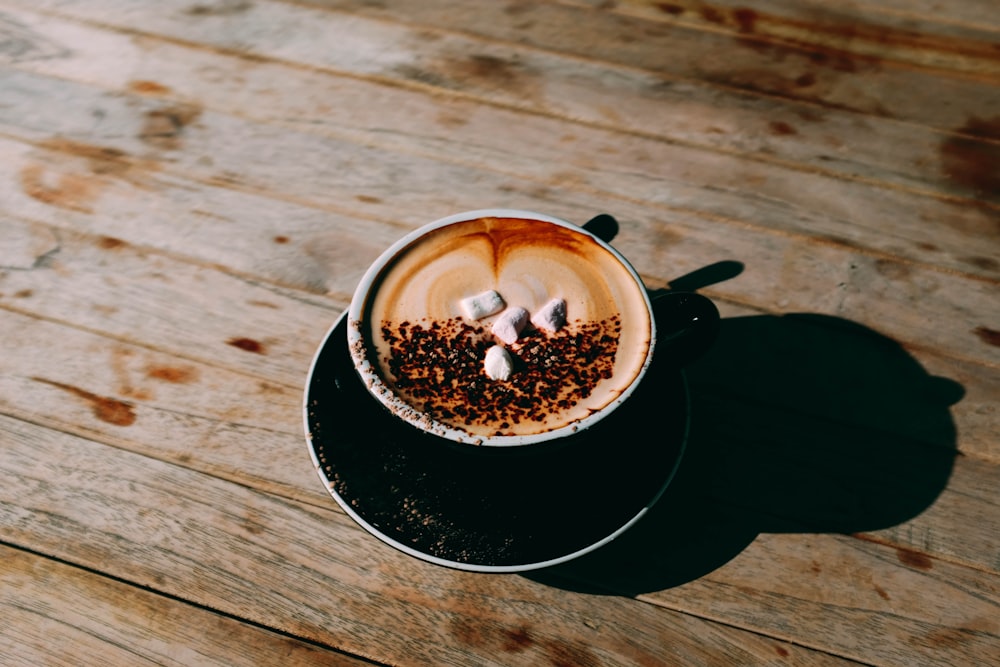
<point>385,395</point>
<point>473,567</point>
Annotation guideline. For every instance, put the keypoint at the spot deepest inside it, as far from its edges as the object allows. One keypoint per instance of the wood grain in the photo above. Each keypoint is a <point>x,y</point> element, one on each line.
<point>935,152</point>
<point>76,184</point>
<point>63,612</point>
<point>219,416</point>
<point>209,434</point>
<point>833,278</point>
<point>311,573</point>
<point>880,589</point>
<point>923,37</point>
<point>190,191</point>
<point>226,423</point>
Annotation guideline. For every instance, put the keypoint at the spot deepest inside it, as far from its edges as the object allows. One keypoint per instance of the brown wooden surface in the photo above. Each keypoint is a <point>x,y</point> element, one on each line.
<point>190,191</point>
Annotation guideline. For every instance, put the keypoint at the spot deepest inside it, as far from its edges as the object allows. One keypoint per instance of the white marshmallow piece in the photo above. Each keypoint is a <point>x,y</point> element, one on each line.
<point>498,364</point>
<point>510,324</point>
<point>482,305</point>
<point>551,316</point>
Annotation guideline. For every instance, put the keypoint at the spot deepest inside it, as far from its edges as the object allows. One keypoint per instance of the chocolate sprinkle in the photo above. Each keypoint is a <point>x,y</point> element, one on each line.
<point>438,367</point>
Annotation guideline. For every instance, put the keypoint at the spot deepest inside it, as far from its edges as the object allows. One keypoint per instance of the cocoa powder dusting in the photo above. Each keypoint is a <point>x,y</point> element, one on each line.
<point>438,366</point>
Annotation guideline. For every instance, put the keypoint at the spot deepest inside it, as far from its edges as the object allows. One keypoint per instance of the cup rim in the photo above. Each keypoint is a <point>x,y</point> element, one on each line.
<point>401,409</point>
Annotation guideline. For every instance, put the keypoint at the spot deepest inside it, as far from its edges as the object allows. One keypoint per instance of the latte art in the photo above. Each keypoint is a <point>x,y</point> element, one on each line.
<point>433,317</point>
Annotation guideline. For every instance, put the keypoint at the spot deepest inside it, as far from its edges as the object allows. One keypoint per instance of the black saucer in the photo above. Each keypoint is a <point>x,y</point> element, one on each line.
<point>490,509</point>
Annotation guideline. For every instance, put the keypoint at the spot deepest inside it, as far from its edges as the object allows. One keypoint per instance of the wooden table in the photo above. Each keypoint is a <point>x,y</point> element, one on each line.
<point>190,191</point>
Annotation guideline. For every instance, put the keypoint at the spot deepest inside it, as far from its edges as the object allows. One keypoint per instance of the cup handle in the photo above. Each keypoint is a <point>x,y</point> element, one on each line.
<point>687,325</point>
<point>603,226</point>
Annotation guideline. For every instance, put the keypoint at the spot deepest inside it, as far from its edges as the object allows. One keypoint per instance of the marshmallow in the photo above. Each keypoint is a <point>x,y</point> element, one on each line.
<point>551,316</point>
<point>510,324</point>
<point>482,305</point>
<point>498,364</point>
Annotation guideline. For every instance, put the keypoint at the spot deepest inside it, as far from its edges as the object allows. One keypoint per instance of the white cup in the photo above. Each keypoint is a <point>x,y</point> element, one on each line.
<point>525,266</point>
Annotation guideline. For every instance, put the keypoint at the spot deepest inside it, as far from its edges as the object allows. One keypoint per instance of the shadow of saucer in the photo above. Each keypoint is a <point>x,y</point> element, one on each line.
<point>800,424</point>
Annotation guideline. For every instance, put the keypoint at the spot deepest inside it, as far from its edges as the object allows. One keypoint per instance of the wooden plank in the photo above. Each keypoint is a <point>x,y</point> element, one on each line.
<point>924,16</point>
<point>310,573</point>
<point>221,150</point>
<point>830,278</point>
<point>154,300</point>
<point>56,614</point>
<point>43,402</point>
<point>83,184</point>
<point>932,532</point>
<point>825,58</point>
<point>965,224</point>
<point>801,597</point>
<point>921,36</point>
<point>977,13</point>
<point>146,440</point>
<point>885,266</point>
<point>751,528</point>
<point>135,197</point>
<point>234,426</point>
<point>787,200</point>
<point>851,597</point>
<point>830,472</point>
<point>226,423</point>
<point>288,325</point>
<point>827,141</point>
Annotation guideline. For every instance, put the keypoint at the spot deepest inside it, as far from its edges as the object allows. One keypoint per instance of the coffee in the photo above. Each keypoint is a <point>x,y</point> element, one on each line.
<point>419,338</point>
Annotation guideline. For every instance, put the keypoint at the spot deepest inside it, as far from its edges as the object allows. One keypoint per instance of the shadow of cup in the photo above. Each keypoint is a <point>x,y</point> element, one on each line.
<point>800,424</point>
